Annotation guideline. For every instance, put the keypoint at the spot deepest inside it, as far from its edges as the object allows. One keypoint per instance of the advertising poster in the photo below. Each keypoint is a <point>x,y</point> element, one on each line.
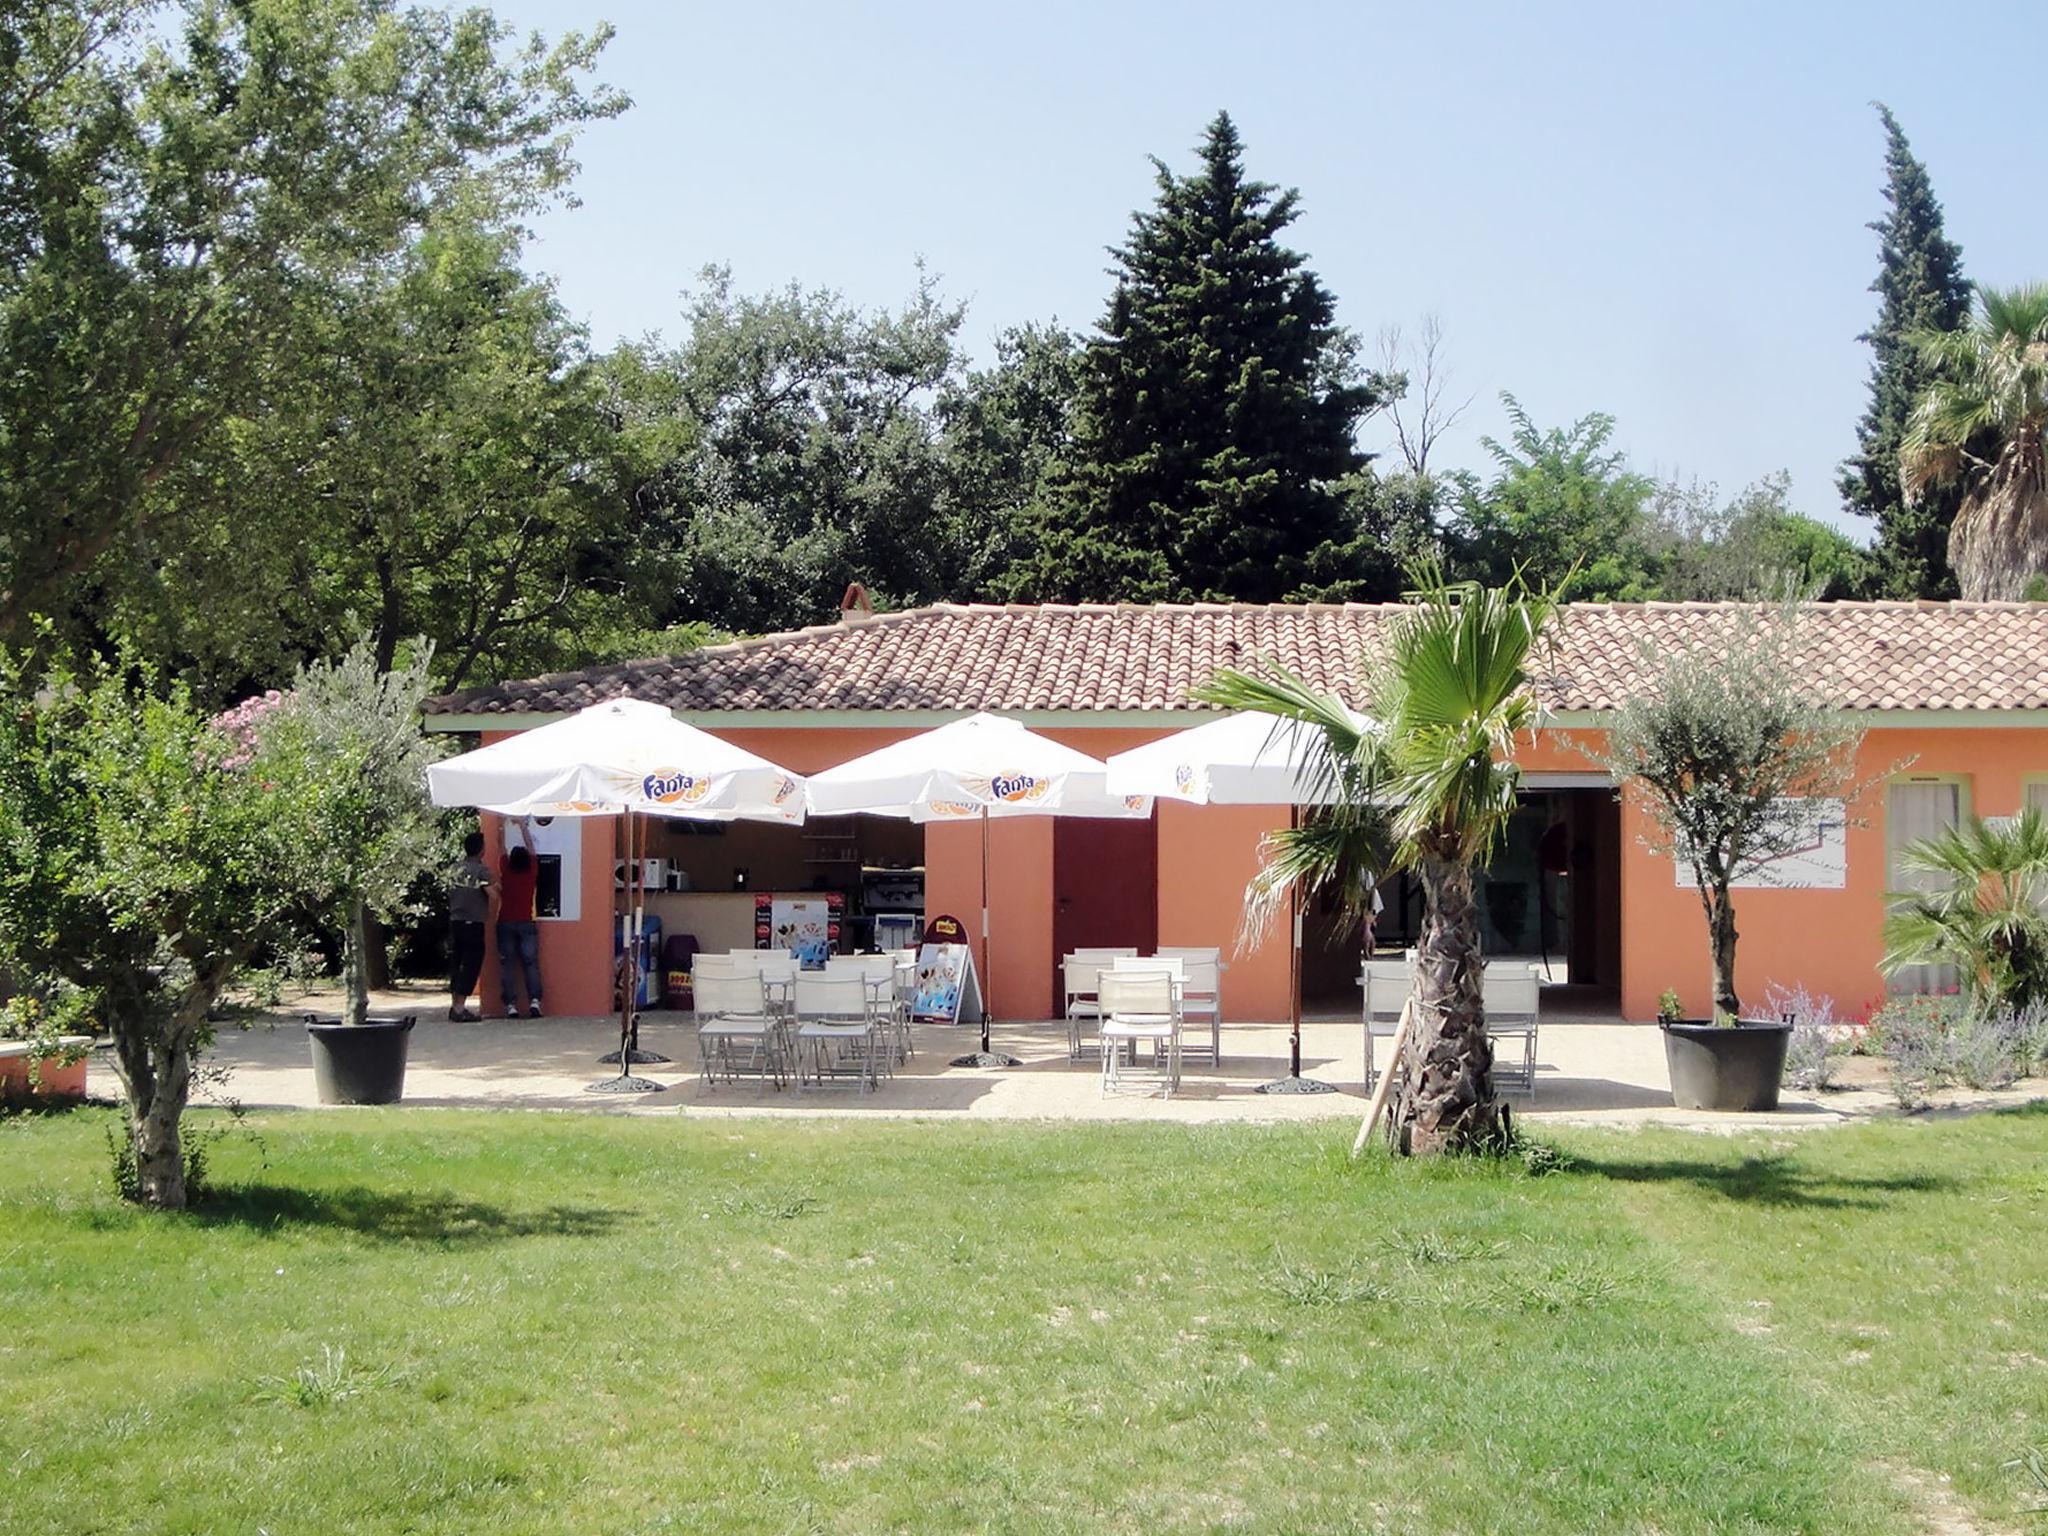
<point>803,926</point>
<point>947,988</point>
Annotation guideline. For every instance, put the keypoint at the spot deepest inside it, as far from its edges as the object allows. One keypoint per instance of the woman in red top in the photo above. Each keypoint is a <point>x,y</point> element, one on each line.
<point>518,938</point>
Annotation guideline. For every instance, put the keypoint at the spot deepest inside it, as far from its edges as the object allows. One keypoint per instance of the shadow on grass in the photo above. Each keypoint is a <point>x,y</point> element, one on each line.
<point>1770,1181</point>
<point>400,1217</point>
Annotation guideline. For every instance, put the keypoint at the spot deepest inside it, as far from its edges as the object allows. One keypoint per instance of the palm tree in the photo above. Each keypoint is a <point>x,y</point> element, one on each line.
<point>1448,697</point>
<point>1980,424</point>
<point>1984,913</point>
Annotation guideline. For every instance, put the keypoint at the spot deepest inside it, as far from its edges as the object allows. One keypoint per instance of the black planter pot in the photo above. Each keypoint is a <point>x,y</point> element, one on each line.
<point>360,1063</point>
<point>1732,1067</point>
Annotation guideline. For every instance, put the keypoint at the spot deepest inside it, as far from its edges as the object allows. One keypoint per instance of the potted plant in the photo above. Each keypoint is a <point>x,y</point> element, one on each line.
<point>42,1055</point>
<point>357,726</point>
<point>1732,762</point>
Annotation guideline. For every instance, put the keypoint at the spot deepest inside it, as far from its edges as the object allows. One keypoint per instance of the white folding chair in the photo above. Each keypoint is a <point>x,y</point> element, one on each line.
<point>1201,999</point>
<point>1140,1008</point>
<point>885,997</point>
<point>836,1035</point>
<point>1386,984</point>
<point>736,1032</point>
<point>1079,977</point>
<point>1512,992</point>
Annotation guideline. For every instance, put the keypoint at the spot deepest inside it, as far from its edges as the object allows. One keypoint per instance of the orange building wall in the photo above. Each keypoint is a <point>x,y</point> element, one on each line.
<point>1828,940</point>
<point>1207,856</point>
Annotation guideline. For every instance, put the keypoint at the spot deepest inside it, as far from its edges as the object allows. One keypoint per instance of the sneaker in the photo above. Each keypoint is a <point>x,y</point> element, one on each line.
<point>511,1012</point>
<point>461,1016</point>
<point>533,1010</point>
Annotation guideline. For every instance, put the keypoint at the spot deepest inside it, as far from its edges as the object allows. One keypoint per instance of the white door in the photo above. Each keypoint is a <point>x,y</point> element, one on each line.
<point>1914,811</point>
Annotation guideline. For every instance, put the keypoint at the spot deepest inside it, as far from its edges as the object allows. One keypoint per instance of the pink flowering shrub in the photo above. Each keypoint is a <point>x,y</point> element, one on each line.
<point>242,727</point>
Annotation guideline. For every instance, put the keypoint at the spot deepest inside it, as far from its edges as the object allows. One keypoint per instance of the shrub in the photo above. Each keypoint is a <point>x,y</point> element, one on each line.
<point>1941,1041</point>
<point>1810,1055</point>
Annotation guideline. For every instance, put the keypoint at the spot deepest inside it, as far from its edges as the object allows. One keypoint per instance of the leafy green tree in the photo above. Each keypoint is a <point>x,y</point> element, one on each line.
<point>1006,431</point>
<point>1559,498</point>
<point>434,478</point>
<point>1449,697</point>
<point>1920,287</point>
<point>146,859</point>
<point>1217,408</point>
<point>1750,548</point>
<point>185,208</point>
<point>1978,428</point>
<point>787,447</point>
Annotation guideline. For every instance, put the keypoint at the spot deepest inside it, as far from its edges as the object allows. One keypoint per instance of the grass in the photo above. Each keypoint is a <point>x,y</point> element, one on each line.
<point>429,1321</point>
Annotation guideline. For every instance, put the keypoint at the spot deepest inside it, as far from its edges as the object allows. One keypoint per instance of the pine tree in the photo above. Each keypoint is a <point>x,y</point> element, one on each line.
<point>1920,286</point>
<point>1216,410</point>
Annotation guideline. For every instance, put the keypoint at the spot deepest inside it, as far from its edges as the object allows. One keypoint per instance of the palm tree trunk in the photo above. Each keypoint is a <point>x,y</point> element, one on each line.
<point>1998,544</point>
<point>1448,1102</point>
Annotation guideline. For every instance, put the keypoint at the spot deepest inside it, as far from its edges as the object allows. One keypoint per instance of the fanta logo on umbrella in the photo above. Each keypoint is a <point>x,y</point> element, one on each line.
<point>1183,777</point>
<point>672,786</point>
<point>783,791</point>
<point>1017,787</point>
<point>954,808</point>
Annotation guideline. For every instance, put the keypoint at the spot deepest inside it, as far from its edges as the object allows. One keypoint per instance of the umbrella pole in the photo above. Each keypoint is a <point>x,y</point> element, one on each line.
<point>987,1056</point>
<point>1294,1082</point>
<point>629,993</point>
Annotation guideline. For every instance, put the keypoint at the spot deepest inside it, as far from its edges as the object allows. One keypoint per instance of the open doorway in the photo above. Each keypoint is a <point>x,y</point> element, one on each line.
<point>1552,896</point>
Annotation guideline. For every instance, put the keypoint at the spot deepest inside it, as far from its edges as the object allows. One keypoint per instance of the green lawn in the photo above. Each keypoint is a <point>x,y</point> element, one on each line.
<point>458,1322</point>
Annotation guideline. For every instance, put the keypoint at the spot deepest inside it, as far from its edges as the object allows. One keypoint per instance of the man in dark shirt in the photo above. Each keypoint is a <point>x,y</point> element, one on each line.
<point>518,937</point>
<point>472,902</point>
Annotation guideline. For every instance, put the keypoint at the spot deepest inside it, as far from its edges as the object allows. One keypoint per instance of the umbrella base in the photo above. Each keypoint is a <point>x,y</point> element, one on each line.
<point>623,1084</point>
<point>636,1056</point>
<point>985,1059</point>
<point>1295,1085</point>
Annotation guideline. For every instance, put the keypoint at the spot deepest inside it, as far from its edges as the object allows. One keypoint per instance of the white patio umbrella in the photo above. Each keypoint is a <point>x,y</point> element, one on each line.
<point>1250,758</point>
<point>614,758</point>
<point>626,758</point>
<point>981,768</point>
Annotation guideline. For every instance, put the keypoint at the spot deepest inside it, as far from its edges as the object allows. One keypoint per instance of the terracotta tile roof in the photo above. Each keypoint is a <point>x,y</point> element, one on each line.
<point>1100,657</point>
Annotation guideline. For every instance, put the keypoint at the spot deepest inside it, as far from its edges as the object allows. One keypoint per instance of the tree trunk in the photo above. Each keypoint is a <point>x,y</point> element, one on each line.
<point>376,954</point>
<point>355,948</point>
<point>1448,1102</point>
<point>1721,935</point>
<point>153,1125</point>
<point>1998,544</point>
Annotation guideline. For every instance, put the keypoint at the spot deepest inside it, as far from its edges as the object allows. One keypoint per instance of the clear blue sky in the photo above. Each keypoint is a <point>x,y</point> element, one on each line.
<point>1651,210</point>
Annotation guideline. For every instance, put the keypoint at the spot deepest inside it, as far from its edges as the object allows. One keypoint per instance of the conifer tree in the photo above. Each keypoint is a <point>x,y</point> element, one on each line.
<point>1216,409</point>
<point>1920,286</point>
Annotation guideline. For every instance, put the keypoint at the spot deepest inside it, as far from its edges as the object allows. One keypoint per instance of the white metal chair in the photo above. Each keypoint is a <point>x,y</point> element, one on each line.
<point>736,1032</point>
<point>777,969</point>
<point>1201,996</point>
<point>836,1034</point>
<point>1080,975</point>
<point>1513,991</point>
<point>1140,1008</point>
<point>885,995</point>
<point>1386,984</point>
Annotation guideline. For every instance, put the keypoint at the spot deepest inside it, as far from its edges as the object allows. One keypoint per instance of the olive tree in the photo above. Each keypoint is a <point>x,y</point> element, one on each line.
<point>148,859</point>
<point>1725,749</point>
<point>356,731</point>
